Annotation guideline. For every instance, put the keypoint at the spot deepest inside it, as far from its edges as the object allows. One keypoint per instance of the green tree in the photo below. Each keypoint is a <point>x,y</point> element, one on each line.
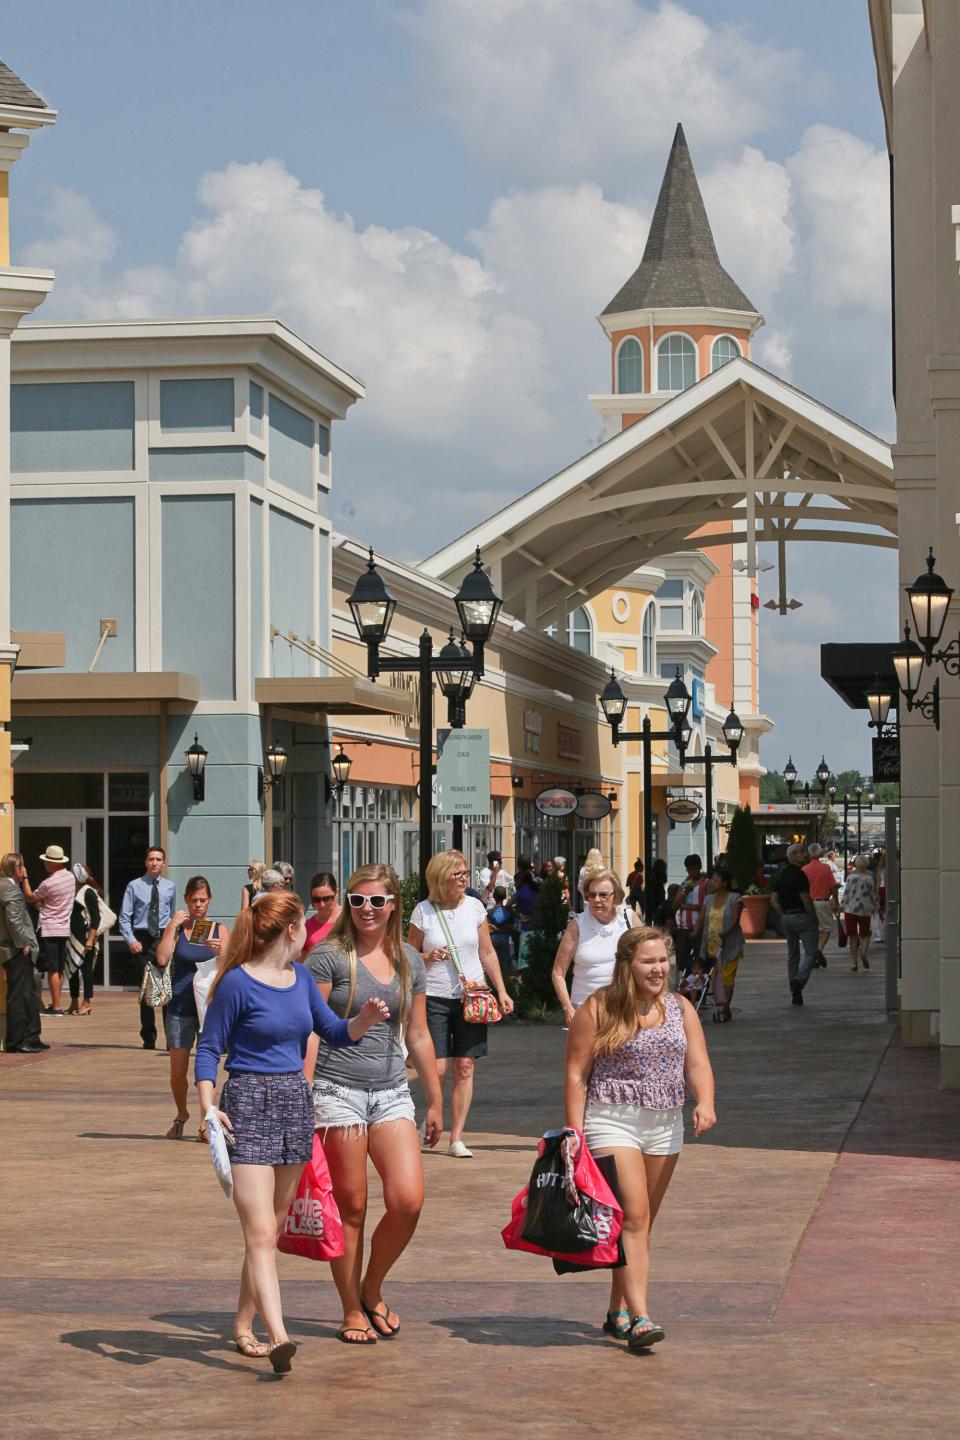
<point>773,789</point>
<point>409,895</point>
<point>743,850</point>
<point>550,916</point>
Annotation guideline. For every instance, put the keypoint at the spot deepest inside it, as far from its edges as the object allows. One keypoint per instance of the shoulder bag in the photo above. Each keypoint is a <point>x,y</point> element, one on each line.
<point>156,987</point>
<point>480,1005</point>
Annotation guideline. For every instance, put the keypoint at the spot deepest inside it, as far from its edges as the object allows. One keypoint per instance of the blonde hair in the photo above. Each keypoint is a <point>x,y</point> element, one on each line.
<point>593,863</point>
<point>255,871</point>
<point>343,932</point>
<point>441,868</point>
<point>592,877</point>
<point>255,929</point>
<point>617,1005</point>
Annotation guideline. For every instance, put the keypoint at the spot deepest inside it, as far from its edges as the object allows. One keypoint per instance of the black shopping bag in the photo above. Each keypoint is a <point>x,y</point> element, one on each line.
<point>559,1217</point>
<point>607,1165</point>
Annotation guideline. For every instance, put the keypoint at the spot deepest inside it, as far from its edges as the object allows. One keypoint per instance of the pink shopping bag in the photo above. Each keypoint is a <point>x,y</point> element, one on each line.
<point>313,1228</point>
<point>583,1174</point>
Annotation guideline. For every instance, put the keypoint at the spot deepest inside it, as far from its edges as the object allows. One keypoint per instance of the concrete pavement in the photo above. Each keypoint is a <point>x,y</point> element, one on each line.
<point>804,1263</point>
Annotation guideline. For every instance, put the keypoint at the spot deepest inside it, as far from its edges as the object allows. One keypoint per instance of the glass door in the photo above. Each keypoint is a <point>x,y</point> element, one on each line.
<point>36,829</point>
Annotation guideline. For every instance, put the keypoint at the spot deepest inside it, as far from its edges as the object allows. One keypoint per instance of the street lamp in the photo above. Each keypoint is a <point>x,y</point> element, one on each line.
<point>456,686</point>
<point>908,660</point>
<point>613,703</point>
<point>478,606</point>
<point>929,598</point>
<point>276,758</point>
<point>340,765</point>
<point>196,758</point>
<point>733,734</point>
<point>823,774</point>
<point>790,775</point>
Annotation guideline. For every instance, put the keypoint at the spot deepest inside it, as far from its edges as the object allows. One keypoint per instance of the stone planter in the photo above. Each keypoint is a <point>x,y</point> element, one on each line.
<point>753,917</point>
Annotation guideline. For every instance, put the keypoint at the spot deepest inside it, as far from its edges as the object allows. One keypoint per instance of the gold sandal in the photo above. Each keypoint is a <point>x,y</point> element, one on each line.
<point>249,1346</point>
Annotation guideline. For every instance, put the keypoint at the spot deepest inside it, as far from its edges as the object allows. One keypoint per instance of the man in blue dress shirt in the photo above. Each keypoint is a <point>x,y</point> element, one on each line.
<point>147,909</point>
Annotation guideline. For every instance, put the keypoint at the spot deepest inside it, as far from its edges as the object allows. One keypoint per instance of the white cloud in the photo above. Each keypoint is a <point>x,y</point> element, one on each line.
<point>748,201</point>
<point>549,89</point>
<point>842,190</point>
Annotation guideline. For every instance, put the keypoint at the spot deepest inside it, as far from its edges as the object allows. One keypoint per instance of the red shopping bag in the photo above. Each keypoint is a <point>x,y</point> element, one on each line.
<point>313,1228</point>
<point>590,1185</point>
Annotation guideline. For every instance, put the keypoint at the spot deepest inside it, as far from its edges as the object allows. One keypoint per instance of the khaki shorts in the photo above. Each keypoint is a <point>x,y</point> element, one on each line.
<point>825,915</point>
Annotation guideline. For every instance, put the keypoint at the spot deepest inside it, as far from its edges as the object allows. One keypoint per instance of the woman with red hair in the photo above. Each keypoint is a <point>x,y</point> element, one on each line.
<point>261,1011</point>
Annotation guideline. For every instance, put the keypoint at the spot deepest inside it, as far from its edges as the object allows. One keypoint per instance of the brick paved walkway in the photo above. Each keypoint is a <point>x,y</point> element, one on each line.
<point>805,1264</point>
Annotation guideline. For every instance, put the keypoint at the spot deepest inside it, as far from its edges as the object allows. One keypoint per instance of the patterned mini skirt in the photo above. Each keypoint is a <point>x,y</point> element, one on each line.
<point>272,1118</point>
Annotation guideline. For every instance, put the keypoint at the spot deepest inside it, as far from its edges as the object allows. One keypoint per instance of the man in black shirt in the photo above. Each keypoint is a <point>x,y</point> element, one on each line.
<point>791,895</point>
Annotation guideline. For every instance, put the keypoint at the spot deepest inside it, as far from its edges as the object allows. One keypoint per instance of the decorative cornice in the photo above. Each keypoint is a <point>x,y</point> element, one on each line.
<point>21,291</point>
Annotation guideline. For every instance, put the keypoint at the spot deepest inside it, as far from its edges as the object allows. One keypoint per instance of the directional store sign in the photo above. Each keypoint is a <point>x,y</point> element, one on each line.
<point>463,772</point>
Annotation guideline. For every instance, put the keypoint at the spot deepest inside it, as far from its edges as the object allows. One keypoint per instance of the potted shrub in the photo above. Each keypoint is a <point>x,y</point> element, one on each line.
<point>743,859</point>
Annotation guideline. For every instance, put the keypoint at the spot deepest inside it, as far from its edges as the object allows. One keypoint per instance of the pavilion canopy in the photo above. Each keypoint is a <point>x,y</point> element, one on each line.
<point>741,452</point>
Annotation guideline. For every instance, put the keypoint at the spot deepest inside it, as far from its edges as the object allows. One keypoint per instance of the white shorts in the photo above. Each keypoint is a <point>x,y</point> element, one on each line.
<point>630,1127</point>
<point>824,913</point>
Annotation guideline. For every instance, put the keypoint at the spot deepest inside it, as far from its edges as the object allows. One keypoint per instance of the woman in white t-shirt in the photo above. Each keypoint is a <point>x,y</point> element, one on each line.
<point>450,909</point>
<point>590,941</point>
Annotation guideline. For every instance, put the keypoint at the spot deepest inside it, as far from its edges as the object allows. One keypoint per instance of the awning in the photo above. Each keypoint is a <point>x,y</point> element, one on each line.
<point>850,670</point>
<point>40,649</point>
<point>80,687</point>
<point>333,695</point>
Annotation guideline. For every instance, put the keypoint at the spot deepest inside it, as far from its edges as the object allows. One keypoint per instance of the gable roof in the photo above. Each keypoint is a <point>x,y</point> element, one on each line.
<point>13,91</point>
<point>680,266</point>
<point>740,457</point>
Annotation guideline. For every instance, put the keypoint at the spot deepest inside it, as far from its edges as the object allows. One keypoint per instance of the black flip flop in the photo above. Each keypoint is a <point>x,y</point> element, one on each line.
<point>390,1331</point>
<point>357,1330</point>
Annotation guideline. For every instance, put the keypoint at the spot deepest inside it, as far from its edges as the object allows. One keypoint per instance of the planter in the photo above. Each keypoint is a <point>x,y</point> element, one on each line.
<point>753,917</point>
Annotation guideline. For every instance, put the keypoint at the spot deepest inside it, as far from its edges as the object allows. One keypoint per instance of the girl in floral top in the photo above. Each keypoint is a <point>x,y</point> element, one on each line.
<point>632,1050</point>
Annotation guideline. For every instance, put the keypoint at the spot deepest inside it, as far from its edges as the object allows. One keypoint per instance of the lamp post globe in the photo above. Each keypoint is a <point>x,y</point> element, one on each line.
<point>832,789</point>
<point>879,700</point>
<point>908,665</point>
<point>196,758</point>
<point>733,730</point>
<point>858,789</point>
<point>823,773</point>
<point>478,604</point>
<point>613,702</point>
<point>871,796</point>
<point>371,605</point>
<point>790,774</point>
<point>276,761</point>
<point>929,598</point>
<point>340,765</point>
<point>678,701</point>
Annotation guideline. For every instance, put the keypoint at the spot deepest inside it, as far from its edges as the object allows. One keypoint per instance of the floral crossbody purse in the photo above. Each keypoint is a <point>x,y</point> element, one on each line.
<point>480,1005</point>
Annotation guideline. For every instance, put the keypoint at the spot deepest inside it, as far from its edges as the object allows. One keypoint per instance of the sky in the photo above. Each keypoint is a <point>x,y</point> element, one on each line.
<point>441,195</point>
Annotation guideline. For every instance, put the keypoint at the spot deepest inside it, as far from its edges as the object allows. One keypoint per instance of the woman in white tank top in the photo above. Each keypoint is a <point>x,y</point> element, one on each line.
<point>590,941</point>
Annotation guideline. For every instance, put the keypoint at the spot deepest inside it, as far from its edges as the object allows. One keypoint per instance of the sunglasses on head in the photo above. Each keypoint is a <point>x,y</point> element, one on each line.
<point>376,902</point>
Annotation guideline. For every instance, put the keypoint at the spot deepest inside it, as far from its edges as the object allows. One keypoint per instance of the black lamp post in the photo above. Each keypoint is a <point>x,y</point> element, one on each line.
<point>733,734</point>
<point>478,606</point>
<point>613,703</point>
<point>858,792</point>
<point>456,686</point>
<point>196,758</point>
<point>790,775</point>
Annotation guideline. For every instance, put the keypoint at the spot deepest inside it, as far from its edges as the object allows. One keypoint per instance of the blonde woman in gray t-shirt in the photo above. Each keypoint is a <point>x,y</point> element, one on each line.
<point>362,1101</point>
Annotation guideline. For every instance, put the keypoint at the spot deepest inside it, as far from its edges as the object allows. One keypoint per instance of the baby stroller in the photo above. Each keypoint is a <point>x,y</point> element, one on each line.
<point>703,1002</point>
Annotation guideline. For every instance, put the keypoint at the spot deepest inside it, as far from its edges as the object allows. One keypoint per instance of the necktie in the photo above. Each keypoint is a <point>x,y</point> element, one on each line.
<point>153,915</point>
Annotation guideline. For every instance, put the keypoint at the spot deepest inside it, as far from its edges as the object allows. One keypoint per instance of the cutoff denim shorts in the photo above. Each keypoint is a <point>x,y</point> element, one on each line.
<point>631,1127</point>
<point>339,1107</point>
<point>180,1030</point>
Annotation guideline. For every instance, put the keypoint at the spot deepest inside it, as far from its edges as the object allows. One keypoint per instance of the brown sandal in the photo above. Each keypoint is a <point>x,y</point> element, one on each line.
<point>176,1129</point>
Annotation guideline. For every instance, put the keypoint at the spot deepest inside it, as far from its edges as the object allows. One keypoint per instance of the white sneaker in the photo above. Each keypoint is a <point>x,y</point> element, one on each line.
<point>459,1151</point>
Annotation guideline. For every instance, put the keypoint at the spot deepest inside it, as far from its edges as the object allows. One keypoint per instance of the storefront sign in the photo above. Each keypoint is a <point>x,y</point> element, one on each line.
<point>556,803</point>
<point>886,759</point>
<point>568,742</point>
<point>463,772</point>
<point>698,703</point>
<point>593,806</point>
<point>684,812</point>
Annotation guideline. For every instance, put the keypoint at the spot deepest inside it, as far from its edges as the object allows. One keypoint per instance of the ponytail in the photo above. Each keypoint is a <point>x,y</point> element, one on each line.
<point>257,927</point>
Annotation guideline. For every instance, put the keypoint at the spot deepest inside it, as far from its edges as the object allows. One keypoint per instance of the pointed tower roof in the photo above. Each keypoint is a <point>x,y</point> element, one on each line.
<point>680,266</point>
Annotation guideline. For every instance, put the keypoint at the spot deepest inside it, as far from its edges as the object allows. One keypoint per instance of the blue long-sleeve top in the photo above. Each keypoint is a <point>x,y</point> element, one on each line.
<point>262,1029</point>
